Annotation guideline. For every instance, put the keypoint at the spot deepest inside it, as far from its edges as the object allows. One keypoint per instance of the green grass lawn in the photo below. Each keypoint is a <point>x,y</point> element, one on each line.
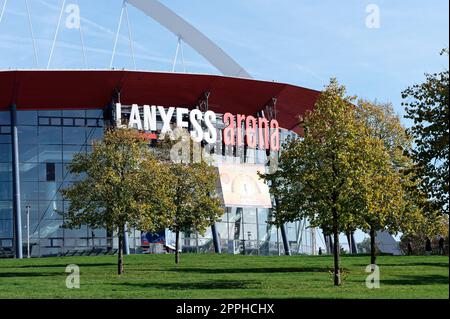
<point>224,276</point>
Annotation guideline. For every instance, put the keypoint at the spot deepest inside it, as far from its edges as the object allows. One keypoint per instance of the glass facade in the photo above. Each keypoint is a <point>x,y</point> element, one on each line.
<point>47,142</point>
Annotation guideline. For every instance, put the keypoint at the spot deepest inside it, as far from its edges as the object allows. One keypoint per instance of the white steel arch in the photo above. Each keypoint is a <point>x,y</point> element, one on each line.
<point>192,36</point>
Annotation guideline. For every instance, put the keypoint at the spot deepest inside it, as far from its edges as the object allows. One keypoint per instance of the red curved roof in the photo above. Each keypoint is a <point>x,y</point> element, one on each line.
<point>90,89</point>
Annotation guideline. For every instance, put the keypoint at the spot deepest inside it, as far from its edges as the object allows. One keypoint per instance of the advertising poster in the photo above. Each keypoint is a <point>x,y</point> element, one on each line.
<point>242,187</point>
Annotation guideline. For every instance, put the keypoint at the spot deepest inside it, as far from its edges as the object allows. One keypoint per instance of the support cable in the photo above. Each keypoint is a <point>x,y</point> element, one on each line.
<point>182,55</point>
<point>56,34</point>
<point>3,10</point>
<point>176,56</point>
<point>82,41</point>
<point>130,35</point>
<point>32,34</point>
<point>300,240</point>
<point>117,36</point>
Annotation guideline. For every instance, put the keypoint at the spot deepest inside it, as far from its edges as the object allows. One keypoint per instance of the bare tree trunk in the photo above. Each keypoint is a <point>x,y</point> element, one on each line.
<point>354,246</point>
<point>336,250</point>
<point>177,246</point>
<point>349,241</point>
<point>373,256</point>
<point>120,252</point>
<point>330,239</point>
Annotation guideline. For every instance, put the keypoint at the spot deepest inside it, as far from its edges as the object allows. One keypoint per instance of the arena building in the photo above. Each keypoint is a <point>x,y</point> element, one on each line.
<point>48,116</point>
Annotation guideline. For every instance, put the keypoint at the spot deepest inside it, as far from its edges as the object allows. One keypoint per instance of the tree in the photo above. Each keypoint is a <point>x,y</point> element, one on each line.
<point>122,183</point>
<point>197,205</point>
<point>320,174</point>
<point>427,104</point>
<point>431,228</point>
<point>384,192</point>
<point>193,183</point>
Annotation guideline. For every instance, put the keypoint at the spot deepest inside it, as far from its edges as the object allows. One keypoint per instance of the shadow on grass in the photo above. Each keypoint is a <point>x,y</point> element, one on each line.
<point>414,264</point>
<point>29,274</point>
<point>249,270</point>
<point>65,265</point>
<point>414,280</point>
<point>208,285</point>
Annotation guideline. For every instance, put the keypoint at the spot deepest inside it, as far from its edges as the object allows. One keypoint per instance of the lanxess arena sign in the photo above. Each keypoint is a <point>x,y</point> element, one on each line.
<point>239,130</point>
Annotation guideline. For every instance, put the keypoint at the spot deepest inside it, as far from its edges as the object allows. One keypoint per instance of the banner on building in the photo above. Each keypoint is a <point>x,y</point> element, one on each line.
<point>242,187</point>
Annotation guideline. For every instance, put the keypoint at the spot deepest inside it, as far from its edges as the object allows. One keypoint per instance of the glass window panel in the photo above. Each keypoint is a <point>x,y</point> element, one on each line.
<point>5,118</point>
<point>29,172</point>
<point>250,215</point>
<point>74,135</point>
<point>236,230</point>
<point>6,230</point>
<point>263,215</point>
<point>34,231</point>
<point>49,228</point>
<point>50,135</point>
<point>44,121</point>
<point>29,190</point>
<point>5,172</point>
<point>6,209</point>
<point>69,151</point>
<point>6,242</point>
<point>92,122</point>
<point>6,191</point>
<point>222,230</point>
<point>94,134</point>
<point>27,117</point>
<point>81,232</point>
<point>263,232</point>
<point>49,190</point>
<point>68,121</point>
<point>273,234</point>
<point>5,138</point>
<point>250,232</point>
<point>94,113</point>
<point>97,232</point>
<point>6,130</point>
<point>27,134</point>
<point>28,153</point>
<point>5,153</point>
<point>34,209</point>
<point>80,122</point>
<point>50,113</point>
<point>50,153</point>
<point>49,209</point>
<point>261,157</point>
<point>43,171</point>
<point>291,232</point>
<point>233,214</point>
<point>74,113</point>
<point>50,172</point>
<point>55,121</point>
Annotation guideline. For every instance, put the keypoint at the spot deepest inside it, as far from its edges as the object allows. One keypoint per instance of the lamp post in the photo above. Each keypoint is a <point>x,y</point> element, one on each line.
<point>28,231</point>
